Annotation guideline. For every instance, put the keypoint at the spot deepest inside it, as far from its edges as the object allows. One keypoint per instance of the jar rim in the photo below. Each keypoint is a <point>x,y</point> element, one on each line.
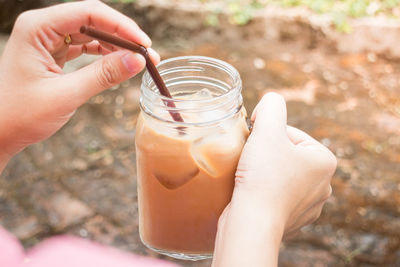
<point>228,68</point>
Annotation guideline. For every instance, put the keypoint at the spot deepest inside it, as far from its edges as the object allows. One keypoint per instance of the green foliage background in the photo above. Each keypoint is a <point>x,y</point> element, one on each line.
<point>341,11</point>
<point>241,12</point>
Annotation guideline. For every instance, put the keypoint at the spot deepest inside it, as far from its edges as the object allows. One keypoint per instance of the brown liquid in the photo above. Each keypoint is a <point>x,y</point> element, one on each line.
<point>184,183</point>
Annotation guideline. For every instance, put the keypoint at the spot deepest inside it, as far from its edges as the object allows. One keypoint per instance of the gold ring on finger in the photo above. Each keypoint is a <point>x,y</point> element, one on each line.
<point>67,39</point>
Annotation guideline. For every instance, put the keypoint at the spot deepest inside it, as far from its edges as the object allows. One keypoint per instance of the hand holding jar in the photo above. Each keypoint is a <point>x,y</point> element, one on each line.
<point>282,181</point>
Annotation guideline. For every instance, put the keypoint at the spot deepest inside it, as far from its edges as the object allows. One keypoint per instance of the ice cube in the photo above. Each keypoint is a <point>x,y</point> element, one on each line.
<point>199,157</point>
<point>203,94</point>
<point>218,152</point>
<point>211,115</point>
<point>175,179</point>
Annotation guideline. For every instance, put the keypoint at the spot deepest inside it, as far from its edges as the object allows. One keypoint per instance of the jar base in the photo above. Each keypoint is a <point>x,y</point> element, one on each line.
<point>180,256</point>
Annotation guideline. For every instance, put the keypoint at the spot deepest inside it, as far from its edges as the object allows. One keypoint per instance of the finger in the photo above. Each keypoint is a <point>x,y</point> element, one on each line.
<point>291,235</point>
<point>69,17</point>
<point>74,51</point>
<point>318,197</point>
<point>154,56</point>
<point>324,160</point>
<point>106,72</point>
<point>93,48</point>
<point>298,137</point>
<point>270,117</point>
<point>308,217</point>
<point>110,46</point>
<point>313,215</point>
<point>78,38</point>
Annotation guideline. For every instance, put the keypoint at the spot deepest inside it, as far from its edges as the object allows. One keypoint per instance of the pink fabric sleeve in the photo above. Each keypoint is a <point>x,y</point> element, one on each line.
<point>66,251</point>
<point>11,251</point>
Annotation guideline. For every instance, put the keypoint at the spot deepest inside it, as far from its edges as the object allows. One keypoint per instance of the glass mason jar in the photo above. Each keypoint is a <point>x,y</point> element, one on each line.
<point>186,169</point>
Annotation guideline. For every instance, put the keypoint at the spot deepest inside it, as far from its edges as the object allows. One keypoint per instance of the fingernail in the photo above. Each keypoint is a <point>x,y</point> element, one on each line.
<point>155,56</point>
<point>133,62</point>
<point>146,39</point>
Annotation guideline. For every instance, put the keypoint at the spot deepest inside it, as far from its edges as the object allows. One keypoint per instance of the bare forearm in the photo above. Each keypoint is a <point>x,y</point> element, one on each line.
<point>4,158</point>
<point>248,235</point>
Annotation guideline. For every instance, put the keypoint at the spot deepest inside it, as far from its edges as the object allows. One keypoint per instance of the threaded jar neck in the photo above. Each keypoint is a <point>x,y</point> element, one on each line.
<point>205,90</point>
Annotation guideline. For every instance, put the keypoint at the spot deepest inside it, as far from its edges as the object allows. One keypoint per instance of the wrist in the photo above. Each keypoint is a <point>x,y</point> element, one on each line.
<point>268,202</point>
<point>260,212</point>
<point>249,233</point>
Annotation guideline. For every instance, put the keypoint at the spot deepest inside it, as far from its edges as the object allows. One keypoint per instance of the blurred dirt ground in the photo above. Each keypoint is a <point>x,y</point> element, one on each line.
<point>82,181</point>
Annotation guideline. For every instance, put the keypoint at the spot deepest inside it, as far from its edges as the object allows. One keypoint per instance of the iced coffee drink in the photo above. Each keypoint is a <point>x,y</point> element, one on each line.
<point>186,169</point>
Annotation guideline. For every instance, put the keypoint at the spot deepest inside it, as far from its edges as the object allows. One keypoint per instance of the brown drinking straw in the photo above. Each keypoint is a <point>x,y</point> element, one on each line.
<point>109,38</point>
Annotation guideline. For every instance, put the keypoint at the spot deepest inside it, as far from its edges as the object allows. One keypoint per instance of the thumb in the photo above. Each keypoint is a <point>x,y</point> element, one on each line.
<point>104,73</point>
<point>269,118</point>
